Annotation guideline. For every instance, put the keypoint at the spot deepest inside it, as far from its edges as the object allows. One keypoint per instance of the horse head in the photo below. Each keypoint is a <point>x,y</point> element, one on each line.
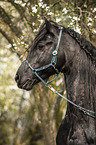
<point>41,54</point>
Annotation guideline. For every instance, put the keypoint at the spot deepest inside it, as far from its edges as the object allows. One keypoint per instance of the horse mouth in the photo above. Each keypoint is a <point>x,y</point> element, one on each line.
<point>27,85</point>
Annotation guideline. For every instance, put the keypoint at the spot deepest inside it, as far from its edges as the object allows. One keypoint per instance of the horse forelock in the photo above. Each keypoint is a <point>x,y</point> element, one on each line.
<point>39,36</point>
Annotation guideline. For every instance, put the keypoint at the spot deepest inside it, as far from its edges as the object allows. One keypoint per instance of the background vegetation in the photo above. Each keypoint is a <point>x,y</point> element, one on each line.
<point>33,118</point>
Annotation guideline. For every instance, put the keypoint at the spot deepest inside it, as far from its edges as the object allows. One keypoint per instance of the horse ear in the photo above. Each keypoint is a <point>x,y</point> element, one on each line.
<point>48,24</point>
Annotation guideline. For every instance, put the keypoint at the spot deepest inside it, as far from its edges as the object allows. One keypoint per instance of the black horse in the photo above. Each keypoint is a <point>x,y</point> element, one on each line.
<point>76,59</point>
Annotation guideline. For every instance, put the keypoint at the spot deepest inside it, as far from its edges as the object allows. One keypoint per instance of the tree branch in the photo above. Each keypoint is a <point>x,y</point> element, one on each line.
<point>5,17</point>
<point>21,10</point>
<point>12,48</point>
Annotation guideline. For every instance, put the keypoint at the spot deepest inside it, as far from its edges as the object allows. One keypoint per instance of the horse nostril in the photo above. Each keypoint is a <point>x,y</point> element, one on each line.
<point>17,78</point>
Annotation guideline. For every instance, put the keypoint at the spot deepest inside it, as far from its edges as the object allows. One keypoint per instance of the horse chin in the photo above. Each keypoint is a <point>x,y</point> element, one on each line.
<point>28,85</point>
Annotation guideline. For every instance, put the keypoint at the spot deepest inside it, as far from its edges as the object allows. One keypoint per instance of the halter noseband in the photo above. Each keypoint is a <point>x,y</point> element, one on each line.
<point>53,64</point>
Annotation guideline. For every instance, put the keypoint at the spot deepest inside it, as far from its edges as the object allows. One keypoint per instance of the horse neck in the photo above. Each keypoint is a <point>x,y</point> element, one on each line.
<point>80,82</point>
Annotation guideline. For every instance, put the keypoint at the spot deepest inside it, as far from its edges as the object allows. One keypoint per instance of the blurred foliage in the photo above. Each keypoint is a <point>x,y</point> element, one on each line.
<point>33,118</point>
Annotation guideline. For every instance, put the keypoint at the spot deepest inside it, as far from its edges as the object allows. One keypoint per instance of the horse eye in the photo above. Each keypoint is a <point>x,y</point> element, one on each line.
<point>49,43</point>
<point>40,46</point>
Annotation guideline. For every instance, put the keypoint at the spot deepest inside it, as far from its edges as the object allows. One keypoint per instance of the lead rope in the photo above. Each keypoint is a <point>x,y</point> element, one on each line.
<point>85,111</point>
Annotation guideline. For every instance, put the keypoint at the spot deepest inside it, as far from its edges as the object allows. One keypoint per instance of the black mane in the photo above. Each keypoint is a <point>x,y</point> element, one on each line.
<point>84,44</point>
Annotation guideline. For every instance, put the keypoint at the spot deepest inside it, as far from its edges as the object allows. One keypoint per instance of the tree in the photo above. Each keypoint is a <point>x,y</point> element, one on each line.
<point>25,17</point>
